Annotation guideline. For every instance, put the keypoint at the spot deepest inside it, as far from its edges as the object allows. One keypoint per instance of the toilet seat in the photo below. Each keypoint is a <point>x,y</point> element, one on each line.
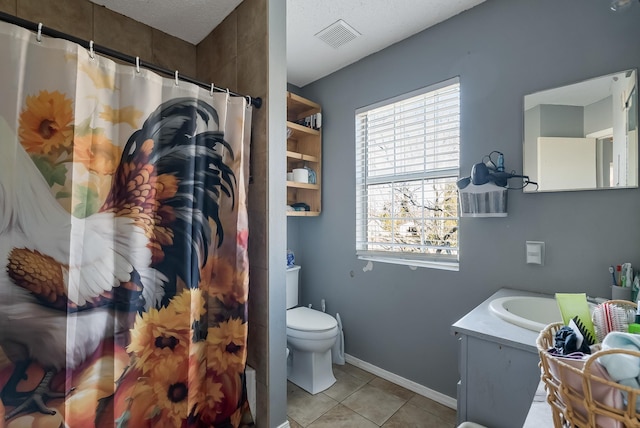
<point>306,323</point>
<point>307,319</point>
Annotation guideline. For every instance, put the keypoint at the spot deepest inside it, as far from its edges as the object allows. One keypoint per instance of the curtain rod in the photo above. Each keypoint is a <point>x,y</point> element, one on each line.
<point>256,102</point>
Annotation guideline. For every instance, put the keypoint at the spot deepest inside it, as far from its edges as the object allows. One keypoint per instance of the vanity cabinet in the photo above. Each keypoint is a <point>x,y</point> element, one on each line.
<point>304,148</point>
<point>498,366</point>
<point>497,382</point>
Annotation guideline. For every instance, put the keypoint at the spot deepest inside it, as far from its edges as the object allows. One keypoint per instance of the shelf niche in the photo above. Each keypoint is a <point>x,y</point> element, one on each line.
<point>304,147</point>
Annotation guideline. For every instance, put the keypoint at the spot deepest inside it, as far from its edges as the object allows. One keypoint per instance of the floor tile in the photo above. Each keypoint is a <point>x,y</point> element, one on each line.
<point>392,388</point>
<point>443,412</point>
<point>354,371</point>
<point>294,424</point>
<point>292,387</point>
<point>305,408</point>
<point>374,403</point>
<point>342,417</point>
<point>360,399</point>
<point>345,385</point>
<point>410,416</point>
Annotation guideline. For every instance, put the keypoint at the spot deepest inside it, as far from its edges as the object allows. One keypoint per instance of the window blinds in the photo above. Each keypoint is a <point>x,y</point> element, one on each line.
<point>407,162</point>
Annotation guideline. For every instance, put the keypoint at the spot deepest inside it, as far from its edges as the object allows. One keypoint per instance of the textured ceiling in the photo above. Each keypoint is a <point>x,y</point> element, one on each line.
<point>189,20</point>
<point>381,23</point>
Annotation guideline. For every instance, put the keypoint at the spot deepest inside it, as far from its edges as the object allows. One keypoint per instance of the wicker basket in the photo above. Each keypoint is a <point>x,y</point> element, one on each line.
<point>579,391</point>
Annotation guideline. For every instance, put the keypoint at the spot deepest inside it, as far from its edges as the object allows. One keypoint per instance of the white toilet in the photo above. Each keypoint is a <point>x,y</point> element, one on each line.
<point>310,336</point>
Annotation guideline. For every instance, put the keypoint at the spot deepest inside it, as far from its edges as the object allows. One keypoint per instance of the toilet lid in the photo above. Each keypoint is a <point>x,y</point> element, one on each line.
<point>306,319</point>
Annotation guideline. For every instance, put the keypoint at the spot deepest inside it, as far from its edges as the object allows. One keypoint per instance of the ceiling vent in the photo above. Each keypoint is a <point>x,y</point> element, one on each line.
<point>338,34</point>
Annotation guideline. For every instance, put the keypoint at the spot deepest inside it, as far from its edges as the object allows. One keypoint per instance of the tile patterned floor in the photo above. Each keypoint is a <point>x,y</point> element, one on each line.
<point>360,399</point>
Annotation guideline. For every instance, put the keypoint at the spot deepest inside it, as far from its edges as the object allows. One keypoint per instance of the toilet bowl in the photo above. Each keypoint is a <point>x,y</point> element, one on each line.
<point>311,335</point>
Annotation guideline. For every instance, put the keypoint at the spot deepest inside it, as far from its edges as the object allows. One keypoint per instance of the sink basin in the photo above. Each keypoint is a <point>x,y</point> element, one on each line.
<point>532,313</point>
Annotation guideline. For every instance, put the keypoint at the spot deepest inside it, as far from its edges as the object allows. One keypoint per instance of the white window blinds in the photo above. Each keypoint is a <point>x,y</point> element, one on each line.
<point>407,163</point>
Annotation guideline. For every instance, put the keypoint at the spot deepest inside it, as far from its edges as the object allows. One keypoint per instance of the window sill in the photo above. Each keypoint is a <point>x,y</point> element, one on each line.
<point>453,266</point>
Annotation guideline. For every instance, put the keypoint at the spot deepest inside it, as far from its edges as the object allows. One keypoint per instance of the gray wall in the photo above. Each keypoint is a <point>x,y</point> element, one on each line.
<point>561,121</point>
<point>599,115</point>
<point>399,319</point>
<point>276,201</point>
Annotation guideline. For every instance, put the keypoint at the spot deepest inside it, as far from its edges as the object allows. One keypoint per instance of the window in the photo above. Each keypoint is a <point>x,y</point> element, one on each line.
<point>407,164</point>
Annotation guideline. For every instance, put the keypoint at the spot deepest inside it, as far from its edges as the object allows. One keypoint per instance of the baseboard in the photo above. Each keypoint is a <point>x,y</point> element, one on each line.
<point>250,379</point>
<point>285,425</point>
<point>429,393</point>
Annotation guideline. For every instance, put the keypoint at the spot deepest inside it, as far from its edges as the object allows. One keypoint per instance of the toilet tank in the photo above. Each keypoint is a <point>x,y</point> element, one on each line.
<point>292,286</point>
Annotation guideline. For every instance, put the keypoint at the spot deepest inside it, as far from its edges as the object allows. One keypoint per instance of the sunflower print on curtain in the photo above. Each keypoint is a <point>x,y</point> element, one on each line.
<point>123,244</point>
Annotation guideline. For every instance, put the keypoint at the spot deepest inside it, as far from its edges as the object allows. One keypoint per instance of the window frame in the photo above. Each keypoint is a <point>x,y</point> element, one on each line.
<point>435,261</point>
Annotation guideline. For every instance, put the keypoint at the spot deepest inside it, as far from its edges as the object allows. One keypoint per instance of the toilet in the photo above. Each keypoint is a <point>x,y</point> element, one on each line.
<point>311,335</point>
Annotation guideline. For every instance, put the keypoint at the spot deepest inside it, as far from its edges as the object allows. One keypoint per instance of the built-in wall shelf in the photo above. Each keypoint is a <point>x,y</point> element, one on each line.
<point>303,185</point>
<point>295,128</point>
<point>303,213</point>
<point>302,156</point>
<point>299,107</point>
<point>304,148</point>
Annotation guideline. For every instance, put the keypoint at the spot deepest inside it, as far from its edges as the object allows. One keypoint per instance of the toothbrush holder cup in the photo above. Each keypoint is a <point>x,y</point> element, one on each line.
<point>620,293</point>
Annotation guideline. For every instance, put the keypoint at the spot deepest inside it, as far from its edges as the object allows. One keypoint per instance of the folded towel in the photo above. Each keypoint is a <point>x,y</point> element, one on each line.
<point>622,368</point>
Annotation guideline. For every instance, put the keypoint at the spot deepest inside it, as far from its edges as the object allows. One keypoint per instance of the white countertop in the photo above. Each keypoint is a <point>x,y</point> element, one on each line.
<point>482,323</point>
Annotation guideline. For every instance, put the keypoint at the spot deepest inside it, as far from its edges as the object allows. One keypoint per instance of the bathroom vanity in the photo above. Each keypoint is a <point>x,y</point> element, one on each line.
<point>498,365</point>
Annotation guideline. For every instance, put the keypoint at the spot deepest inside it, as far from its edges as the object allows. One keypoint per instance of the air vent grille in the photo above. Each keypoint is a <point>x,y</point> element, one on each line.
<point>338,34</point>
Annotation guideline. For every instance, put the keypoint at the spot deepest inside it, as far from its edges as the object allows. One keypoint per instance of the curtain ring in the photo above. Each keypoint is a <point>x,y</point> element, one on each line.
<point>138,64</point>
<point>227,91</point>
<point>39,35</point>
<point>176,78</point>
<point>91,52</point>
<point>211,90</point>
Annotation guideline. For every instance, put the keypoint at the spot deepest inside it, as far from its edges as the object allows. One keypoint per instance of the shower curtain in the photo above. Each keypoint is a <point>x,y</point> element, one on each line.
<point>123,243</point>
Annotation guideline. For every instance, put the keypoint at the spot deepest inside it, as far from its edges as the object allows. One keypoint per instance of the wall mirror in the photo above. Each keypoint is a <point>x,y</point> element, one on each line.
<point>583,136</point>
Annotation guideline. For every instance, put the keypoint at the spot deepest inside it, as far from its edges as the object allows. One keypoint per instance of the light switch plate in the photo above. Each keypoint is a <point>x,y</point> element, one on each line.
<point>535,252</point>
